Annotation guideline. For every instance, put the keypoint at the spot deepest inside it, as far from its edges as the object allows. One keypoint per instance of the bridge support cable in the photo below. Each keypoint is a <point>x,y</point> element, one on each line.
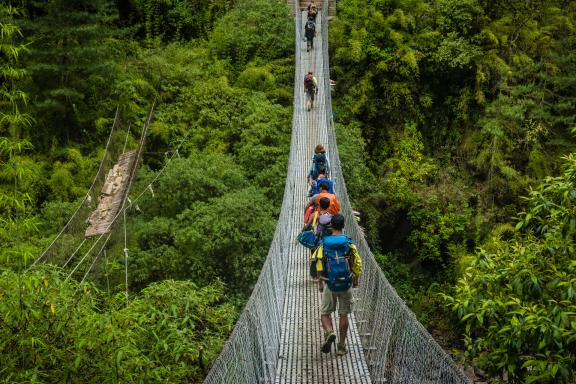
<point>78,215</point>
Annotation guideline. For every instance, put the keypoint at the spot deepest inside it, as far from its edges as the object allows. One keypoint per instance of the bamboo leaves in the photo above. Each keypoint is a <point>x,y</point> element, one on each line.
<point>517,301</point>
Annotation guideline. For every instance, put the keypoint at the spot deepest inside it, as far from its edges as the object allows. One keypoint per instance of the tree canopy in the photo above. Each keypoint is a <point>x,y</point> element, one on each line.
<point>455,122</point>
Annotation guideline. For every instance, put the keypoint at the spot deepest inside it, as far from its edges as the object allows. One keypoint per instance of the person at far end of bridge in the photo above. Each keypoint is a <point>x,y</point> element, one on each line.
<point>312,11</point>
<point>310,89</point>
<point>310,33</point>
<point>339,266</point>
<point>334,207</point>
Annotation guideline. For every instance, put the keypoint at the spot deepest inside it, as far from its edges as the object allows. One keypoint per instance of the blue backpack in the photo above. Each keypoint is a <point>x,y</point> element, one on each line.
<point>316,186</point>
<point>319,164</point>
<point>336,259</point>
<point>308,238</point>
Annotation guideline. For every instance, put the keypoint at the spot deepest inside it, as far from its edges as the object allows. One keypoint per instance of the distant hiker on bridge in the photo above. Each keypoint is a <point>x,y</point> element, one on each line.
<point>339,265</point>
<point>310,33</point>
<point>319,163</point>
<point>312,11</point>
<point>310,89</point>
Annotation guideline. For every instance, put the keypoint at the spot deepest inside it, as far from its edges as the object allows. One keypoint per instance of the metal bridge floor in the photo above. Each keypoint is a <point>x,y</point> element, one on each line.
<point>300,359</point>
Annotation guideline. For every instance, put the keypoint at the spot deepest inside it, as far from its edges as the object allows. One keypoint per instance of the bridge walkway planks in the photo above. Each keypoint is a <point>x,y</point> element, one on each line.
<point>300,359</point>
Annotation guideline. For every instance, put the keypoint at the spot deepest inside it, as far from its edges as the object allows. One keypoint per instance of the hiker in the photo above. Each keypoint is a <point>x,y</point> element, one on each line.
<point>308,212</point>
<point>334,207</point>
<point>315,184</point>
<point>310,32</point>
<point>319,223</point>
<point>310,89</point>
<point>322,217</point>
<point>319,164</point>
<point>312,11</point>
<point>336,279</point>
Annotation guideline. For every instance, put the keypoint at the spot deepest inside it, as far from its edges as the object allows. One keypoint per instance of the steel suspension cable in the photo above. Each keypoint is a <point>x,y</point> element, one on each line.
<point>121,210</point>
<point>86,196</point>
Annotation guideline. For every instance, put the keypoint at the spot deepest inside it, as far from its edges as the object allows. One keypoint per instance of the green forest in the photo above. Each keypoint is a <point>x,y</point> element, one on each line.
<point>455,122</point>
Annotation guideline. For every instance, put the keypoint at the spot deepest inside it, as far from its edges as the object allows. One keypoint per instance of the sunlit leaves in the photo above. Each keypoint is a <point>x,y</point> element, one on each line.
<point>517,298</point>
<point>254,28</point>
<point>67,332</point>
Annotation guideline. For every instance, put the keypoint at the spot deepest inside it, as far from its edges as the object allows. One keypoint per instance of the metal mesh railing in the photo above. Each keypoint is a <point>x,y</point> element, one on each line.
<point>398,348</point>
<point>251,353</point>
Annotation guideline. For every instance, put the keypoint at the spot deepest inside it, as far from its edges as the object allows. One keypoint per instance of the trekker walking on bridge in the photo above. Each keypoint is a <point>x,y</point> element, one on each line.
<point>319,170</point>
<point>312,11</point>
<point>334,207</point>
<point>321,218</point>
<point>319,163</point>
<point>310,33</point>
<point>310,89</point>
<point>339,266</point>
<point>315,185</point>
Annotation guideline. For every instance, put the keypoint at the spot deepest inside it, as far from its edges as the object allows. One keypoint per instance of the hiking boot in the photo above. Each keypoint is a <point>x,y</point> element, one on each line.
<point>329,338</point>
<point>341,349</point>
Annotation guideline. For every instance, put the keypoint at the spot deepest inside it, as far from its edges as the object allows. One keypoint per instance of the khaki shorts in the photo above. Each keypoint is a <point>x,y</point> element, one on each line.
<point>329,300</point>
<point>310,95</point>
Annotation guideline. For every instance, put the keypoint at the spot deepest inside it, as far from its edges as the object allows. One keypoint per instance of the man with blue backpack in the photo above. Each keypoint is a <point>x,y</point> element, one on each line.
<point>319,163</point>
<point>315,185</point>
<point>339,266</point>
<point>319,168</point>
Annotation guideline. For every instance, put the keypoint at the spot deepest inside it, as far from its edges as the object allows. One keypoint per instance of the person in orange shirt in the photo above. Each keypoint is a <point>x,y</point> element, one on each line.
<point>334,207</point>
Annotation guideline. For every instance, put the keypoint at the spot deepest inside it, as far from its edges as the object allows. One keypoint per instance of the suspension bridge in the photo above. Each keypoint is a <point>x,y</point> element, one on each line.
<point>278,336</point>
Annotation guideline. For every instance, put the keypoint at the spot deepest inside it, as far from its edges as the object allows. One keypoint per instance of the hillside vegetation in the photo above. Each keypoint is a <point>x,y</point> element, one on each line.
<point>453,117</point>
<point>455,123</point>
<point>224,100</point>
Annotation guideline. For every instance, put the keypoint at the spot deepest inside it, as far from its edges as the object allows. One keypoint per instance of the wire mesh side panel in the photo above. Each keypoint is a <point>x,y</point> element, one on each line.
<point>70,241</point>
<point>251,353</point>
<point>398,348</point>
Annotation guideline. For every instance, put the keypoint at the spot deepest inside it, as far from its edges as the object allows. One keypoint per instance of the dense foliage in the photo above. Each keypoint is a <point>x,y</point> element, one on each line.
<point>517,298</point>
<point>465,101</point>
<point>58,331</point>
<point>224,108</point>
<point>448,111</point>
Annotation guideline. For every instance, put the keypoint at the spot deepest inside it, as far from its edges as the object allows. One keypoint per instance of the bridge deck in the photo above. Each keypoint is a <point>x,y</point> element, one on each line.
<point>112,196</point>
<point>278,336</point>
<point>300,359</point>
